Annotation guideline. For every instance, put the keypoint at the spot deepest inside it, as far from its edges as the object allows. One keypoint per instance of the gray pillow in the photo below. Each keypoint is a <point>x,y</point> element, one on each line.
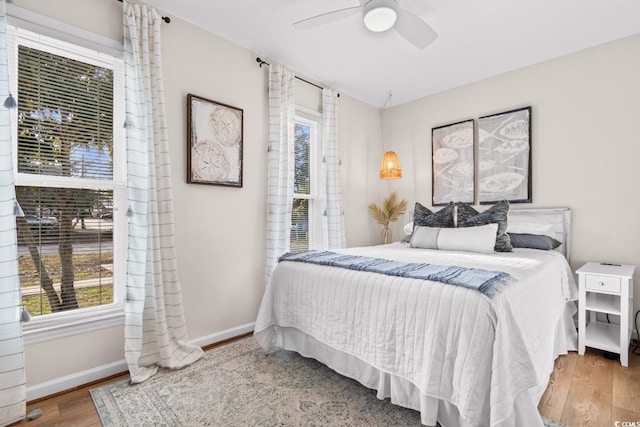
<point>425,218</point>
<point>533,241</point>
<point>469,217</point>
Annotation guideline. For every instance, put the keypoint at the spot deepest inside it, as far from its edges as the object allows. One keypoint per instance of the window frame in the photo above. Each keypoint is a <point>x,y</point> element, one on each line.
<point>72,322</point>
<point>313,119</point>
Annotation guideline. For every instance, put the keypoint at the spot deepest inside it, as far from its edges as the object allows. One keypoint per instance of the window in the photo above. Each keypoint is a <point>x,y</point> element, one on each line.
<point>70,177</point>
<point>306,215</point>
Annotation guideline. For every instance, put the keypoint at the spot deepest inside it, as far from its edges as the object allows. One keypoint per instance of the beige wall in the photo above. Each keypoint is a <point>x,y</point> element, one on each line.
<point>585,152</point>
<point>220,231</point>
<point>585,142</point>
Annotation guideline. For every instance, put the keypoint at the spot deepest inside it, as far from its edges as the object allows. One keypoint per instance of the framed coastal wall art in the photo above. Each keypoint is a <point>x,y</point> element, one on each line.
<point>504,157</point>
<point>452,163</point>
<point>214,142</point>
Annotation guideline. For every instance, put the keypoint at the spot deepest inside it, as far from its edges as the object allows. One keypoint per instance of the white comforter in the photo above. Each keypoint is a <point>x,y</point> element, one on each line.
<point>452,343</point>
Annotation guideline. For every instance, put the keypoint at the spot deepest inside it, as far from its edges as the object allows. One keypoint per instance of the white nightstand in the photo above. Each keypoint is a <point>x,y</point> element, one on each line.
<point>605,288</point>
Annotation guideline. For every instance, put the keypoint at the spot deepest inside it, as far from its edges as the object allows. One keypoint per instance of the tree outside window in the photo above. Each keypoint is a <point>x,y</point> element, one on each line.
<point>65,153</point>
<point>305,215</point>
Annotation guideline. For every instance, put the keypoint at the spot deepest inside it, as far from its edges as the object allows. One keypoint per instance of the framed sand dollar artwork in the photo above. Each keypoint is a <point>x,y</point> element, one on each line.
<point>214,142</point>
<point>504,157</point>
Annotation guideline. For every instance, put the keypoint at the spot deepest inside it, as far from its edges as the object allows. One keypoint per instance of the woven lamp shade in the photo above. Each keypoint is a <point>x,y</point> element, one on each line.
<point>390,166</point>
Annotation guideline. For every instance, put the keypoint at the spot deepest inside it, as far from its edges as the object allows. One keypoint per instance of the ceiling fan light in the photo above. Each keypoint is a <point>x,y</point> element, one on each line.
<point>380,15</point>
<point>380,19</point>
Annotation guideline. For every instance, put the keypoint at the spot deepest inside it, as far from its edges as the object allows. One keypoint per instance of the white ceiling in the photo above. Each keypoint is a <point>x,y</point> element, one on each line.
<point>477,39</point>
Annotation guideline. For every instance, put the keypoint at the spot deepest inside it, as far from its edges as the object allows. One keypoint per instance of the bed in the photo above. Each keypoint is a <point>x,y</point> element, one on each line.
<point>458,357</point>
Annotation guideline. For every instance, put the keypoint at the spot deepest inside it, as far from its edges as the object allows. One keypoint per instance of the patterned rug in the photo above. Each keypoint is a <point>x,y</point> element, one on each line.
<point>240,385</point>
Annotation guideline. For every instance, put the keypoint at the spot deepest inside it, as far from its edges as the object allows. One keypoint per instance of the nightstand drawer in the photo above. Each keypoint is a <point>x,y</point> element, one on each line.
<point>602,283</point>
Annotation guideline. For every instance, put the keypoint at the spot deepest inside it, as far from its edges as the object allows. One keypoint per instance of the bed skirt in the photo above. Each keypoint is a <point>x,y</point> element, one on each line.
<point>404,393</point>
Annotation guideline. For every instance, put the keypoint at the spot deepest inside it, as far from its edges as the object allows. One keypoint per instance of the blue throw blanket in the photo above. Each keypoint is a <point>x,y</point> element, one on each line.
<point>485,281</point>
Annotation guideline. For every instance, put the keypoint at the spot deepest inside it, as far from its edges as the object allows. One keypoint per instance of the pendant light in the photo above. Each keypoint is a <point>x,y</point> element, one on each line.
<point>390,165</point>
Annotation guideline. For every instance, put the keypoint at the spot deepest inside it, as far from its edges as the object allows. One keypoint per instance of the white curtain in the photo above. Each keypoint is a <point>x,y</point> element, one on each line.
<point>333,230</point>
<point>280,178</point>
<point>155,329</point>
<point>12,377</point>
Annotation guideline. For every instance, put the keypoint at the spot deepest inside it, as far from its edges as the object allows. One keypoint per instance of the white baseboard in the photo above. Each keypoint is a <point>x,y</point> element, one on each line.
<point>67,382</point>
<point>224,335</point>
<point>76,379</point>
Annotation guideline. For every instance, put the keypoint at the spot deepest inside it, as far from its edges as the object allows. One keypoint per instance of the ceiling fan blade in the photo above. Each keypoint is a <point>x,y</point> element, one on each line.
<point>325,18</point>
<point>414,29</point>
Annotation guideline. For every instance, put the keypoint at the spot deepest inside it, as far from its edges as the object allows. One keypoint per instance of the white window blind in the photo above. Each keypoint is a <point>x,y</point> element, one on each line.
<point>70,173</point>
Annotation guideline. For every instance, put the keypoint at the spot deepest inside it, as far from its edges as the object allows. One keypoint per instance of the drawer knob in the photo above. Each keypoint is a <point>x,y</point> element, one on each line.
<point>601,283</point>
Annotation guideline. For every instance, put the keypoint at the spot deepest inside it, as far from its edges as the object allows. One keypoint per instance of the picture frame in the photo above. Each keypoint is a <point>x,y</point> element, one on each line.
<point>215,134</point>
<point>452,163</point>
<point>504,157</point>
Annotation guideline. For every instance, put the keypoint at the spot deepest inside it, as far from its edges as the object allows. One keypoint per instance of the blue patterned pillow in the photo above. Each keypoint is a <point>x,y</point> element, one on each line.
<point>497,214</point>
<point>424,217</point>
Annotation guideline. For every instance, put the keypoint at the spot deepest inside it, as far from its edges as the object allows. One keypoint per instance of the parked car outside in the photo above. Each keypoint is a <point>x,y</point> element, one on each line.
<point>106,215</point>
<point>299,230</point>
<point>43,224</point>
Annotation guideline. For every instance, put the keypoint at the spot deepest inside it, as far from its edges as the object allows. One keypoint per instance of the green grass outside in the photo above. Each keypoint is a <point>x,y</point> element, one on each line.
<point>87,297</point>
<point>86,266</point>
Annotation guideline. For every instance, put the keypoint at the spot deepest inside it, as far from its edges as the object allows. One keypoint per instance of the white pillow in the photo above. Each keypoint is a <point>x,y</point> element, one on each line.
<point>529,225</point>
<point>425,237</point>
<point>471,239</point>
<point>408,229</point>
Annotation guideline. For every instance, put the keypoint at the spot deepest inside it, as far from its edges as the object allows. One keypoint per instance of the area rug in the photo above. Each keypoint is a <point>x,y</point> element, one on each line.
<point>238,384</point>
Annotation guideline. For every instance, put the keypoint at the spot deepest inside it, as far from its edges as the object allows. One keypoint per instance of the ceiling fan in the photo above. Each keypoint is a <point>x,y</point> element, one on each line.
<point>378,16</point>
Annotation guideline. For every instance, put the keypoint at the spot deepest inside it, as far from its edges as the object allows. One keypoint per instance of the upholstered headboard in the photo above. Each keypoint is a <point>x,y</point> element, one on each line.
<point>559,218</point>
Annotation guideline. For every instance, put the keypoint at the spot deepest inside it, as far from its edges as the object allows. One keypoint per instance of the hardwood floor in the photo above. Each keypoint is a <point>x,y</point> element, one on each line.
<point>584,390</point>
<point>593,391</point>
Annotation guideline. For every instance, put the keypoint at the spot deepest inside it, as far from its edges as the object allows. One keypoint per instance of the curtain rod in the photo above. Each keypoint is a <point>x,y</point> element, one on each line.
<point>262,62</point>
<point>164,18</point>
